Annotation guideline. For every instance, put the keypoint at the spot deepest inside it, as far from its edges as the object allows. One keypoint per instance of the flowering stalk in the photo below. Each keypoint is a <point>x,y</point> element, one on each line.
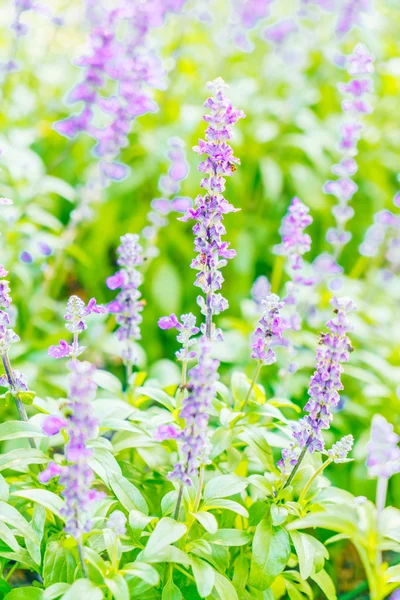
<point>75,316</point>
<point>13,380</point>
<point>267,334</point>
<point>209,209</point>
<point>76,477</point>
<point>383,460</point>
<point>323,392</point>
<point>169,186</point>
<point>359,67</point>
<point>337,454</point>
<point>127,306</point>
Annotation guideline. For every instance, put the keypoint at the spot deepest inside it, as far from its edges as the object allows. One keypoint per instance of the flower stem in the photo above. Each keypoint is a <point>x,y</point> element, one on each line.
<point>82,558</point>
<point>296,466</point>
<point>310,481</point>
<point>11,382</point>
<point>253,383</point>
<point>209,317</point>
<point>199,489</point>
<point>178,502</point>
<point>381,493</point>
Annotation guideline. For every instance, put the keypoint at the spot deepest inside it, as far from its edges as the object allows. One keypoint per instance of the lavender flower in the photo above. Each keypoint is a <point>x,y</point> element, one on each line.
<point>339,451</point>
<point>209,209</point>
<point>117,522</point>
<point>268,332</point>
<point>260,290</point>
<point>187,329</point>
<point>325,385</point>
<point>245,16</point>
<point>129,62</point>
<point>295,242</point>
<point>359,66</point>
<point>76,476</point>
<point>7,334</point>
<point>75,315</point>
<point>127,306</point>
<point>195,444</point>
<point>169,185</point>
<point>383,459</point>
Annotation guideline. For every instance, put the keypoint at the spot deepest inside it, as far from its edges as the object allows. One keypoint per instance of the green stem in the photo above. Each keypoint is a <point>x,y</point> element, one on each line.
<point>82,558</point>
<point>11,382</point>
<point>178,502</point>
<point>253,383</point>
<point>310,481</point>
<point>199,489</point>
<point>381,493</point>
<point>11,571</point>
<point>295,468</point>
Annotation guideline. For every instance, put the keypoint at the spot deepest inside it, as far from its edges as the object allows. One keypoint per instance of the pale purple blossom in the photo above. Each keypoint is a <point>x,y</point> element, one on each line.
<point>339,451</point>
<point>76,477</point>
<point>383,450</point>
<point>295,242</point>
<point>186,330</point>
<point>260,290</point>
<point>209,209</point>
<point>359,67</point>
<point>268,332</point>
<point>128,305</point>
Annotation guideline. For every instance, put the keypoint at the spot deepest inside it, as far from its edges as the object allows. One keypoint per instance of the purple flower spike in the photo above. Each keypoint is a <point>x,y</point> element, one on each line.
<point>168,322</point>
<point>295,242</point>
<point>195,446</point>
<point>209,210</point>
<point>128,305</point>
<point>52,470</point>
<point>61,351</point>
<point>325,385</point>
<point>383,451</point>
<point>166,432</point>
<point>260,290</point>
<point>359,67</point>
<point>268,332</point>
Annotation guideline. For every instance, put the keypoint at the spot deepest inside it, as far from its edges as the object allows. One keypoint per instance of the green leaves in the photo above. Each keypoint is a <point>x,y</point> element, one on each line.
<point>59,564</point>
<point>85,589</point>
<point>12,430</point>
<point>166,532</point>
<point>204,575</point>
<point>127,493</point>
<point>270,554</point>
<point>224,486</point>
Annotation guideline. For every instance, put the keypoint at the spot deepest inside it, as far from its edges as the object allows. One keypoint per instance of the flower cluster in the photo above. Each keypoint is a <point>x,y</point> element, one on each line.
<point>359,67</point>
<point>268,332</point>
<point>325,385</point>
<point>195,412</point>
<point>383,451</point>
<point>260,290</point>
<point>209,209</point>
<point>339,451</point>
<point>129,63</point>
<point>169,185</point>
<point>187,329</point>
<point>75,316</point>
<point>295,242</point>
<point>7,334</point>
<point>76,476</point>
<point>128,306</point>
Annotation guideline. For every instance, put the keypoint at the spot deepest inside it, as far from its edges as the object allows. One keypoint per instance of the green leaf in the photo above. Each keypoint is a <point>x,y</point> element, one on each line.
<point>107,381</point>
<point>25,593</point>
<point>227,505</point>
<point>204,576</point>
<point>27,397</point>
<point>118,587</point>
<point>8,537</point>
<point>240,385</point>
<point>11,516</point>
<point>12,430</point>
<point>228,537</point>
<point>168,554</point>
<point>4,489</point>
<point>207,520</point>
<point>171,592</point>
<point>59,564</point>
<point>20,458</point>
<point>166,532</point>
<point>55,591</point>
<point>255,439</point>
<point>127,493</point>
<point>158,395</point>
<point>138,520</point>
<point>83,589</point>
<point>44,497</point>
<point>224,486</point>
<point>270,554</point>
<point>394,574</point>
<point>325,583</point>
<point>305,553</point>
<point>142,570</point>
<point>224,587</point>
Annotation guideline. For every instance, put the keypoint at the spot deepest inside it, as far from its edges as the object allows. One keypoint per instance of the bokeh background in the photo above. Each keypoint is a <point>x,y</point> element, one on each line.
<point>287,145</point>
